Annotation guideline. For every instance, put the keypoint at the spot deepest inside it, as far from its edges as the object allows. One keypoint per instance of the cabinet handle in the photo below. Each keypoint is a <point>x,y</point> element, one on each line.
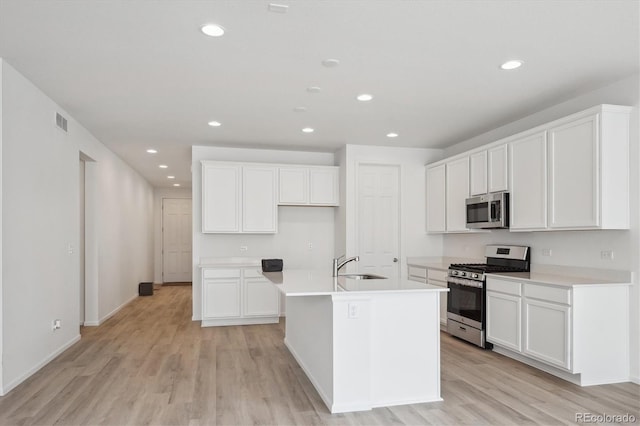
<point>462,328</point>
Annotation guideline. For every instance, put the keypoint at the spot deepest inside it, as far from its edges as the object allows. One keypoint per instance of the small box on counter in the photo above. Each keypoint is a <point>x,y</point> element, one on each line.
<point>271,265</point>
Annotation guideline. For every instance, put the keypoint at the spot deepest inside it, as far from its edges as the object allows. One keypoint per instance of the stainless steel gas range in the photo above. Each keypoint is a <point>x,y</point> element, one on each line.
<point>466,303</point>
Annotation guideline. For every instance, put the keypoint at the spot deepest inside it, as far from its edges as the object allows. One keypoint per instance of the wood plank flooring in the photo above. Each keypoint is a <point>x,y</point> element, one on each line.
<point>150,364</point>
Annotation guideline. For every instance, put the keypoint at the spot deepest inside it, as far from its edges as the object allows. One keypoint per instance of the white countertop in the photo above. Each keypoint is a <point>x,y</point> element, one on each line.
<point>560,280</point>
<point>440,263</point>
<point>229,262</point>
<point>306,282</point>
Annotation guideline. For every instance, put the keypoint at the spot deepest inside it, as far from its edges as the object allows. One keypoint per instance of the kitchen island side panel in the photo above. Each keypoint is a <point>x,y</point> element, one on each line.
<point>309,338</point>
<point>405,349</point>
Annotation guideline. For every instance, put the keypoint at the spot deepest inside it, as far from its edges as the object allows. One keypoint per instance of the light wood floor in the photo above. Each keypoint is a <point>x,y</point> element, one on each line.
<point>150,364</point>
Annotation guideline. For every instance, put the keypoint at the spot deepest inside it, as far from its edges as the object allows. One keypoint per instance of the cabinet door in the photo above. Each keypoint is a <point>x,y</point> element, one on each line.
<point>293,185</point>
<point>323,186</point>
<point>478,173</point>
<point>221,298</point>
<point>261,298</point>
<point>443,308</point>
<point>528,182</point>
<point>573,174</point>
<point>547,332</point>
<point>220,198</point>
<point>457,183</point>
<point>436,207</point>
<point>503,320</point>
<point>259,207</point>
<point>498,169</point>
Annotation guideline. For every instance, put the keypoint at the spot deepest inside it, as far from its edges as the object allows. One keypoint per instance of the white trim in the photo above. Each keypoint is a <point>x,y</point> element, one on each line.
<point>240,321</point>
<point>635,379</point>
<point>110,314</point>
<point>314,382</point>
<point>38,366</point>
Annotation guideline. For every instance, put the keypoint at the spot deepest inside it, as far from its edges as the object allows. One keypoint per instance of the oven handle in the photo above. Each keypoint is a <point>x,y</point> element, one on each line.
<point>466,283</point>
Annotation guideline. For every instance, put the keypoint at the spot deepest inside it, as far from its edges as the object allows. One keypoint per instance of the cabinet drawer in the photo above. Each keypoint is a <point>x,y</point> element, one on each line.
<point>221,273</point>
<point>548,293</point>
<point>417,272</point>
<point>507,287</point>
<point>438,275</point>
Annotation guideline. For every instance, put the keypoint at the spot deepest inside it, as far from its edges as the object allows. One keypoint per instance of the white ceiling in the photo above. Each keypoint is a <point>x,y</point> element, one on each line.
<point>139,74</point>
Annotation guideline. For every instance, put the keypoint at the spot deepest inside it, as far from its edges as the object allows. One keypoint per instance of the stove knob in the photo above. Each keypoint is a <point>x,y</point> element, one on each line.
<point>463,274</point>
<point>474,275</point>
<point>454,272</point>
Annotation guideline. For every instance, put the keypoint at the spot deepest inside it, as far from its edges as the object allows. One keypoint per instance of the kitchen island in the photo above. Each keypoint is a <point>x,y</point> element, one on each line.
<point>363,343</point>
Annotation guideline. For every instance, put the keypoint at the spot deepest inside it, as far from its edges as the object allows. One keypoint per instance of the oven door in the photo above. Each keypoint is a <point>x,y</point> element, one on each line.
<point>465,302</point>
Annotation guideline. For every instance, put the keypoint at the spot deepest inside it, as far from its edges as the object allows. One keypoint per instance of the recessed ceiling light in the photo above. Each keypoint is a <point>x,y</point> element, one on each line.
<point>171,177</point>
<point>512,65</point>
<point>300,109</point>
<point>278,8</point>
<point>392,135</point>
<point>176,184</point>
<point>163,166</point>
<point>364,97</point>
<point>214,123</point>
<point>152,151</point>
<point>212,30</point>
<point>330,63</point>
<point>308,130</point>
<point>314,89</point>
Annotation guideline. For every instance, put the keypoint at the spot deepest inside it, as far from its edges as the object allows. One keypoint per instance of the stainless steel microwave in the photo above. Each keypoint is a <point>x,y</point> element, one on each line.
<point>488,211</point>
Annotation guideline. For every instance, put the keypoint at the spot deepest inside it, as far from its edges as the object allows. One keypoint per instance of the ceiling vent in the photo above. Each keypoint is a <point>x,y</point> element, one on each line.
<point>61,122</point>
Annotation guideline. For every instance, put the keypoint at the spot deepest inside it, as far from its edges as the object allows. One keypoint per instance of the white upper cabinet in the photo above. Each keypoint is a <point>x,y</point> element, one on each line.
<point>238,198</point>
<point>528,182</point>
<point>294,185</point>
<point>589,170</point>
<point>323,186</point>
<point>312,185</point>
<point>457,192</point>
<point>221,198</point>
<point>478,173</point>
<point>488,171</point>
<point>436,208</point>
<point>259,208</point>
<point>498,168</point>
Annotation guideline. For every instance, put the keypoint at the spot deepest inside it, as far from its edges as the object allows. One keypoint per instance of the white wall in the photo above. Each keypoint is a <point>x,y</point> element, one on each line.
<point>40,225</point>
<point>297,226</point>
<point>574,248</point>
<point>160,194</point>
<point>415,241</point>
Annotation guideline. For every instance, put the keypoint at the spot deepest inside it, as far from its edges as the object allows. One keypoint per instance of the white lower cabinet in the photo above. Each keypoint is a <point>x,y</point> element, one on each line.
<point>547,332</point>
<point>237,297</point>
<point>503,320</point>
<point>576,332</point>
<point>435,277</point>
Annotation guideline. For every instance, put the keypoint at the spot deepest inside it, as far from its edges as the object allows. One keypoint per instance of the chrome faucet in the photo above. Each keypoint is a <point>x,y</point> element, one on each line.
<point>337,264</point>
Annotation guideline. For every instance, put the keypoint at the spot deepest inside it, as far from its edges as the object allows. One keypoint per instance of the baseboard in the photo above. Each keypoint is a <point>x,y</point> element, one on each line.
<point>635,379</point>
<point>110,314</point>
<point>6,389</point>
<point>327,401</point>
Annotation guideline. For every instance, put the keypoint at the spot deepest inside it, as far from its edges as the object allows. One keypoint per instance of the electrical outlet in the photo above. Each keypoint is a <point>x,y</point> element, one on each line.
<point>57,324</point>
<point>244,248</point>
<point>354,310</point>
<point>310,246</point>
<point>606,255</point>
<point>547,252</point>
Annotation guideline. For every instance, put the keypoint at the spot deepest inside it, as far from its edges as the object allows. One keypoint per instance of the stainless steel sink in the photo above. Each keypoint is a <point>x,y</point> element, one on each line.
<point>363,276</point>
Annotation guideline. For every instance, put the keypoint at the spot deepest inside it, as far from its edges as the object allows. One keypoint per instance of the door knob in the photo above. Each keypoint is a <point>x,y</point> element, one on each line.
<point>395,260</point>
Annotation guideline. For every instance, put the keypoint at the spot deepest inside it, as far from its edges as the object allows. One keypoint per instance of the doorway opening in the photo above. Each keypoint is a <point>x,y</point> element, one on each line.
<point>87,244</point>
<point>177,231</point>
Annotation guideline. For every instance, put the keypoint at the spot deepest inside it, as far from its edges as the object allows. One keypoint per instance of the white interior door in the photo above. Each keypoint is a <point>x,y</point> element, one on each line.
<point>378,219</point>
<point>176,240</point>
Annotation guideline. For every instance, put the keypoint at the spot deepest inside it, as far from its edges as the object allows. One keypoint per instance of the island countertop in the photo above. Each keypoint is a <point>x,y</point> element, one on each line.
<point>309,282</point>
